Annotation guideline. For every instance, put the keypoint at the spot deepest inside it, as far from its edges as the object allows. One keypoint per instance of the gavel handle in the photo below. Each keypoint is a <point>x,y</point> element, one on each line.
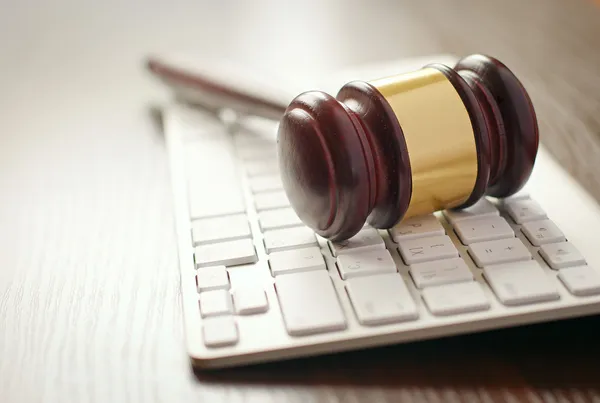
<point>217,88</point>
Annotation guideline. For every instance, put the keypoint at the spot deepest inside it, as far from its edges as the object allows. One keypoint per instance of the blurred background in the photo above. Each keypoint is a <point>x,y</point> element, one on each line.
<point>61,57</point>
<point>86,233</point>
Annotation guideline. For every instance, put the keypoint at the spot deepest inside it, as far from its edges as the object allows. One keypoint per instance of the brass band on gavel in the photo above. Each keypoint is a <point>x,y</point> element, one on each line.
<point>439,138</point>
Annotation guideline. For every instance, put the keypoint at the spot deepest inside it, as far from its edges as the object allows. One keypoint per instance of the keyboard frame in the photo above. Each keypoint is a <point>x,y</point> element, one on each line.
<point>576,222</point>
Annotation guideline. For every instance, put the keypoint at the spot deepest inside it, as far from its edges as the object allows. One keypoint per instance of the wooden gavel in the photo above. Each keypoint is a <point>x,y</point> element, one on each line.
<point>400,146</point>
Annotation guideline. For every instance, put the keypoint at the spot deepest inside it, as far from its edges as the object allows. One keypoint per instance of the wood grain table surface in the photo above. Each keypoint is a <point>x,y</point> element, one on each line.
<point>89,285</point>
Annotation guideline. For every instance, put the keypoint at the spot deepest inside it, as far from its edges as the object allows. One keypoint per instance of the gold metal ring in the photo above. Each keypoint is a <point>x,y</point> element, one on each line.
<point>439,138</point>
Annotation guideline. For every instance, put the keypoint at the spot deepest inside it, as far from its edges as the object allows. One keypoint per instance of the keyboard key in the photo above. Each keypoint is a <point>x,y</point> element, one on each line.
<point>265,183</point>
<point>280,218</point>
<point>245,140</point>
<point>483,229</point>
<point>580,280</point>
<point>296,260</point>
<point>417,227</point>
<point>525,210</point>
<point>520,283</point>
<point>216,203</point>
<point>202,160</point>
<point>224,228</point>
<point>250,300</point>
<point>501,251</point>
<point>271,200</point>
<point>542,232</point>
<point>440,272</point>
<point>426,249</point>
<point>381,299</point>
<point>367,238</point>
<point>364,263</point>
<point>228,253</point>
<point>257,152</point>
<point>453,299</point>
<point>289,238</point>
<point>309,303</point>
<point>212,278</point>
<point>261,167</point>
<point>219,331</point>
<point>195,127</point>
<point>483,208</point>
<point>561,255</point>
<point>214,303</point>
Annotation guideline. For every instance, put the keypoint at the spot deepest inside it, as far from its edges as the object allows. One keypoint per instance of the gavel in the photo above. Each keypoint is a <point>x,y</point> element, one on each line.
<point>399,146</point>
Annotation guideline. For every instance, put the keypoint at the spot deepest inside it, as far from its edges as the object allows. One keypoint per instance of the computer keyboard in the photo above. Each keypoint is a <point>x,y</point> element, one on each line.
<point>259,286</point>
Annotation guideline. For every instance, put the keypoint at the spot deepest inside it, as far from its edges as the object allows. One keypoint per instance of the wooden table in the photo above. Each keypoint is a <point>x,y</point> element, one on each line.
<point>89,287</point>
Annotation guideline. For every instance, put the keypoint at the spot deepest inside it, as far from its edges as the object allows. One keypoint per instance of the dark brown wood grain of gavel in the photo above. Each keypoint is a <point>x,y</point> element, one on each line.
<point>380,151</point>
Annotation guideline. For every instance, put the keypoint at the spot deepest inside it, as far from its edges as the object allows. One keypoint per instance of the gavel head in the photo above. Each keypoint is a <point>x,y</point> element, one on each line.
<point>381,151</point>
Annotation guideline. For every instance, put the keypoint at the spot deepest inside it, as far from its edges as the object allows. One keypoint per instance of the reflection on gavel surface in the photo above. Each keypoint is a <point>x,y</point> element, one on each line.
<point>380,151</point>
<point>437,138</point>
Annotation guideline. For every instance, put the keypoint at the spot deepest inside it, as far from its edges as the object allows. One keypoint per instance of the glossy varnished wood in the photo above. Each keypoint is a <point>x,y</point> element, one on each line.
<point>391,180</point>
<point>321,147</point>
<point>345,161</point>
<point>514,132</point>
<point>89,288</point>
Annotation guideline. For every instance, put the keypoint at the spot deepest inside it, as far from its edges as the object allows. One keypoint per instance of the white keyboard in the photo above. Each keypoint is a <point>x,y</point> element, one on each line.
<point>259,286</point>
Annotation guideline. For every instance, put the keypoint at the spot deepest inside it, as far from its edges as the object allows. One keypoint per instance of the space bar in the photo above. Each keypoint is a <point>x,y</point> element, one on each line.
<point>309,303</point>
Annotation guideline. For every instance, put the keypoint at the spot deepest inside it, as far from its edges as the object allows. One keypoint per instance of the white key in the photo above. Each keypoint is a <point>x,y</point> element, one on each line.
<point>280,218</point>
<point>228,253</point>
<point>214,303</point>
<point>224,228</point>
<point>309,303</point>
<point>417,227</point>
<point>296,260</point>
<point>483,229</point>
<point>520,283</point>
<point>440,272</point>
<point>271,200</point>
<point>289,238</point>
<point>542,232</point>
<point>425,249</point>
<point>219,331</point>
<point>365,263</point>
<point>204,160</point>
<point>525,210</point>
<point>216,202</point>
<point>257,152</point>
<point>381,299</point>
<point>244,140</point>
<point>500,251</point>
<point>250,300</point>
<point>265,183</point>
<point>453,299</point>
<point>367,238</point>
<point>194,127</point>
<point>483,208</point>
<point>580,280</point>
<point>561,255</point>
<point>209,155</point>
<point>206,152</point>
<point>212,278</point>
<point>261,167</point>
